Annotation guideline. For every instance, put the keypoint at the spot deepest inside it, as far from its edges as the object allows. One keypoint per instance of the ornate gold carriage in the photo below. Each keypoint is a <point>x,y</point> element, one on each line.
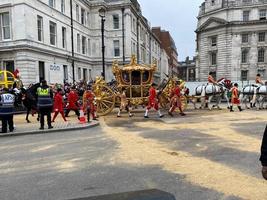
<point>135,79</point>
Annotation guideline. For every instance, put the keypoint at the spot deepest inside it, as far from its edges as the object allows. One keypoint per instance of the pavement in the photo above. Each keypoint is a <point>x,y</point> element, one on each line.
<point>206,155</point>
<point>24,128</point>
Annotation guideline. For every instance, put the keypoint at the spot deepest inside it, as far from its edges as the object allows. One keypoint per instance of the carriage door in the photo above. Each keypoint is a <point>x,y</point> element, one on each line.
<point>41,71</point>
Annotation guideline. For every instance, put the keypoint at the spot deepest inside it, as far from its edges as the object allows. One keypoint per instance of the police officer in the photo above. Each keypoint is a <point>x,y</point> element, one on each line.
<point>45,103</point>
<point>6,110</point>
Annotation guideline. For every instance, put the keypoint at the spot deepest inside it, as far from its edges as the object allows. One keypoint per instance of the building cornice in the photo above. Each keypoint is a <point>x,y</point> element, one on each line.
<point>233,24</point>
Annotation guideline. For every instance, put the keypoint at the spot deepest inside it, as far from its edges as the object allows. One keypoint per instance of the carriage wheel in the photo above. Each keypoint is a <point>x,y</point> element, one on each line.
<point>164,102</point>
<point>183,102</point>
<point>105,99</point>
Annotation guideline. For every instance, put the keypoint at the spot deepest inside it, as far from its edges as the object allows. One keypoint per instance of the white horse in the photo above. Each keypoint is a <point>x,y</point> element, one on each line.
<point>210,91</point>
<point>249,91</point>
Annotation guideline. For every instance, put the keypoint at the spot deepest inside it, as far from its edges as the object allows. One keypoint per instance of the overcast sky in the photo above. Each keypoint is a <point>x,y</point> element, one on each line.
<point>176,16</point>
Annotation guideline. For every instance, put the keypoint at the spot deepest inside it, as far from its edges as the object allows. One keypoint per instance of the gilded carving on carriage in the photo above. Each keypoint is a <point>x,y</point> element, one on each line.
<point>135,79</point>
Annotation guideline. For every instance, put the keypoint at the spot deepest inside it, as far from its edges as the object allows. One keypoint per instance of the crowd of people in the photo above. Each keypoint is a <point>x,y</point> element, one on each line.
<point>57,99</point>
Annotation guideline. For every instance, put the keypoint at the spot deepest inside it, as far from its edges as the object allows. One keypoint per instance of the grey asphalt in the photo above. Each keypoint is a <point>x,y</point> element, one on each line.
<point>77,164</point>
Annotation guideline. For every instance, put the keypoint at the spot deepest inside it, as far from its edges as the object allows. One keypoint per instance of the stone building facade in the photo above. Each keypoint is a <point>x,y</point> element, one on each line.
<point>231,39</point>
<point>168,44</point>
<point>36,38</point>
<point>187,69</point>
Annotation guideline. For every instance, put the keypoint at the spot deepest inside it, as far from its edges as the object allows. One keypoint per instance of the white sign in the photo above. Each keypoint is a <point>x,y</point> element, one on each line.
<point>55,73</point>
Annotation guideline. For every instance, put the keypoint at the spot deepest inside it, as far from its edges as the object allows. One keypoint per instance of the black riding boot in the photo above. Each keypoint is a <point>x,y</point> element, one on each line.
<point>240,109</point>
<point>231,109</point>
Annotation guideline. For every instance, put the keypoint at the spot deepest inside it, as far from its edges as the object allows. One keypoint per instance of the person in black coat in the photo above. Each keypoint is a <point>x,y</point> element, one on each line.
<point>263,157</point>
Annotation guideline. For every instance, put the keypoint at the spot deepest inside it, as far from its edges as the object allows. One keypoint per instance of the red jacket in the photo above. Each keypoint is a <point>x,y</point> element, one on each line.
<point>176,92</point>
<point>88,100</point>
<point>73,100</point>
<point>152,95</point>
<point>235,98</point>
<point>58,102</point>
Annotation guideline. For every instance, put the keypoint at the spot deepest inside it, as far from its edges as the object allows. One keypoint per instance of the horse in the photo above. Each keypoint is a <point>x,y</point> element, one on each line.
<point>210,91</point>
<point>29,99</point>
<point>248,92</point>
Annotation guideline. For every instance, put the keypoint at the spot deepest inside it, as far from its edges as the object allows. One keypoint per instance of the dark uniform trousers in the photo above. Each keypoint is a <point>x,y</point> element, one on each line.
<point>45,112</point>
<point>263,157</point>
<point>7,120</point>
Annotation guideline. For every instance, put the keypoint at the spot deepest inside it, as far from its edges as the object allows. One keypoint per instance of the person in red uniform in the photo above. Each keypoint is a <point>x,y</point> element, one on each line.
<point>88,103</point>
<point>58,105</point>
<point>235,98</point>
<point>258,80</point>
<point>153,101</point>
<point>211,79</point>
<point>72,102</point>
<point>176,99</point>
<point>259,83</point>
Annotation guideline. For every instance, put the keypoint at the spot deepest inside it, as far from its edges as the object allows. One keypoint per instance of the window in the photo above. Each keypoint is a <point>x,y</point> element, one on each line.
<point>65,72</point>
<point>83,21</point>
<point>245,15</point>
<point>262,14</point>
<point>89,47</point>
<point>262,37</point>
<point>83,45</point>
<point>244,56</point>
<point>116,21</point>
<point>134,25</point>
<point>116,48</point>
<point>40,28</point>
<point>5,26</point>
<point>143,54</point>
<point>88,21</point>
<point>79,73</point>
<point>85,75</point>
<point>53,33</point>
<point>246,1</point>
<point>244,75</point>
<point>51,3</point>
<point>261,55</point>
<point>78,43</point>
<point>244,38</point>
<point>214,41</point>
<point>213,58</point>
<point>133,48</point>
<point>77,12</point>
<point>9,65</point>
<point>63,6</point>
<point>64,37</point>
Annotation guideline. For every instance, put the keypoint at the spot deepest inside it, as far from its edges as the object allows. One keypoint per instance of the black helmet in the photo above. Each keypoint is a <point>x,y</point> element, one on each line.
<point>44,82</point>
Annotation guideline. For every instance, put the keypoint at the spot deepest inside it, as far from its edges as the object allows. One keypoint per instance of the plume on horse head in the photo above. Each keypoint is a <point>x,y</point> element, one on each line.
<point>225,82</point>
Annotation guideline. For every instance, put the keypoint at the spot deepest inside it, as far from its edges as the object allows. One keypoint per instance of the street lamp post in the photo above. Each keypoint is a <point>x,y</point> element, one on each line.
<point>72,43</point>
<point>102,13</point>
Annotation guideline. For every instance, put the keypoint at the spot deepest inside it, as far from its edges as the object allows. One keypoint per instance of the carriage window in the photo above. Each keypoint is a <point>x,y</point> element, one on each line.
<point>145,76</point>
<point>136,78</point>
<point>125,76</point>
